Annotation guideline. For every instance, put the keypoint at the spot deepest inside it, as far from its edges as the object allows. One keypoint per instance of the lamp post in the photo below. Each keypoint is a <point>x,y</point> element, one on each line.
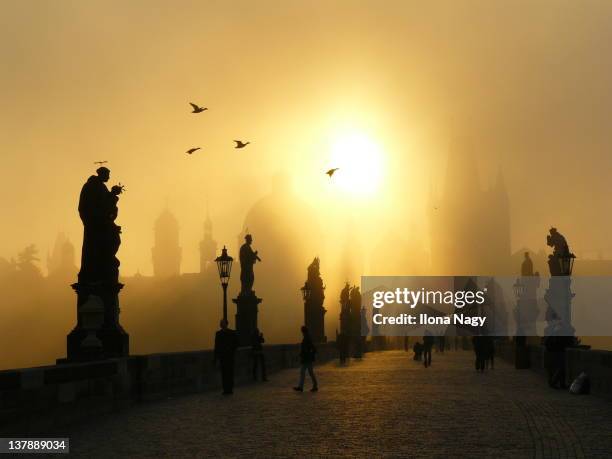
<point>224,265</point>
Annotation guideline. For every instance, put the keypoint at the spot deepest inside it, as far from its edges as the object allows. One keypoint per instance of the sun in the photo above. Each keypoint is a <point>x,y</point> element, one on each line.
<point>359,160</point>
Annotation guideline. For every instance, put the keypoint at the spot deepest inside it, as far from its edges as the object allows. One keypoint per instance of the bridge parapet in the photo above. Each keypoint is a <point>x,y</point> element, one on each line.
<point>38,400</point>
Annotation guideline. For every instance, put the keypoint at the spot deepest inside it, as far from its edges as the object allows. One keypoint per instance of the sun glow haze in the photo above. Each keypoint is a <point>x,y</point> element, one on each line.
<point>359,160</point>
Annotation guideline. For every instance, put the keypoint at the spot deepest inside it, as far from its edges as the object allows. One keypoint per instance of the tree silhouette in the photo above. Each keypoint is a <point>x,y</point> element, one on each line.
<point>26,261</point>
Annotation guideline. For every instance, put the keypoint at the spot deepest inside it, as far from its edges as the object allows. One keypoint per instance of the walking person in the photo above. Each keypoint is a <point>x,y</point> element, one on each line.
<point>226,343</point>
<point>257,340</point>
<point>428,342</point>
<point>489,352</point>
<point>478,342</point>
<point>418,351</point>
<point>307,357</point>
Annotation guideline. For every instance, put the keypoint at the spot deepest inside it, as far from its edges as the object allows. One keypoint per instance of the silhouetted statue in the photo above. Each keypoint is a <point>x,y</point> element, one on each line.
<point>345,294</point>
<point>98,211</point>
<point>315,282</point>
<point>556,240</point>
<point>314,312</point>
<point>98,333</point>
<point>226,343</point>
<point>527,266</point>
<point>559,261</point>
<point>248,258</point>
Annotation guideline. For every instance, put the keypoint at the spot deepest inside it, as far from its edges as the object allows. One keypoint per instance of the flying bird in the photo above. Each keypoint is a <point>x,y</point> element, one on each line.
<point>192,150</point>
<point>100,162</point>
<point>331,171</point>
<point>241,144</point>
<point>197,109</point>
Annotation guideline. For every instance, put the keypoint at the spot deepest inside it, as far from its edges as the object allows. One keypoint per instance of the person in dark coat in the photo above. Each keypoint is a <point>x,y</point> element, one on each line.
<point>489,351</point>
<point>480,349</point>
<point>418,351</point>
<point>307,357</point>
<point>226,343</point>
<point>257,340</point>
<point>428,342</point>
<point>555,359</point>
<point>342,344</point>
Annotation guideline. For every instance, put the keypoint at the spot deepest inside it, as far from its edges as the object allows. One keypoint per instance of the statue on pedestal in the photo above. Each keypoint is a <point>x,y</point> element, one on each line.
<point>246,302</point>
<point>248,258</point>
<point>98,333</point>
<point>314,312</point>
<point>559,296</point>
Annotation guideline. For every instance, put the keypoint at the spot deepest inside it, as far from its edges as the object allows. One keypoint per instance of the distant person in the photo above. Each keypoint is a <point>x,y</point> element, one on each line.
<point>478,343</point>
<point>555,350</point>
<point>257,340</point>
<point>441,343</point>
<point>342,345</point>
<point>428,342</point>
<point>307,358</point>
<point>417,348</point>
<point>226,343</point>
<point>489,351</point>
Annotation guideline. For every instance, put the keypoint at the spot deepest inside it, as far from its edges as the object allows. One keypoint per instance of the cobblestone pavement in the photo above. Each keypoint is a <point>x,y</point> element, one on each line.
<point>386,405</point>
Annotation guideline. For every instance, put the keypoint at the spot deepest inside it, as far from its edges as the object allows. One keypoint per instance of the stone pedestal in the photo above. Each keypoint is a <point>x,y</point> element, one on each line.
<point>558,297</point>
<point>314,319</point>
<point>247,306</point>
<point>97,334</point>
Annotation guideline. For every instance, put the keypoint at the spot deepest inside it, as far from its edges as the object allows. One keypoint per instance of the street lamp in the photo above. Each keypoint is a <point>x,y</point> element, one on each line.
<point>224,265</point>
<point>306,291</point>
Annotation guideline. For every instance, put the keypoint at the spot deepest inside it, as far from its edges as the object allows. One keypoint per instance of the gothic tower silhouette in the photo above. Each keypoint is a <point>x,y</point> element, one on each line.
<point>469,226</point>
<point>61,261</point>
<point>166,250</point>
<point>208,246</point>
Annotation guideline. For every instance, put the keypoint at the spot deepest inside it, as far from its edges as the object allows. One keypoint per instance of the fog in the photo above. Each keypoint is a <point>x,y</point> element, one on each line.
<point>519,87</point>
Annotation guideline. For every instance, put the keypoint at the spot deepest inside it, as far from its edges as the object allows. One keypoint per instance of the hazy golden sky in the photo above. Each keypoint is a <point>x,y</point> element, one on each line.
<point>527,81</point>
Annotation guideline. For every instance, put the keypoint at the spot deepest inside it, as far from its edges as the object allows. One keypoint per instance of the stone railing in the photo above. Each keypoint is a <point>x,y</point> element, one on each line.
<point>43,399</point>
<point>596,364</point>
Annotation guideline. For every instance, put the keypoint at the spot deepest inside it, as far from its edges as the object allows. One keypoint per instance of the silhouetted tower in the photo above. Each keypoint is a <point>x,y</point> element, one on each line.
<point>351,262</point>
<point>208,246</point>
<point>166,251</point>
<point>314,312</point>
<point>469,227</point>
<point>61,260</point>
